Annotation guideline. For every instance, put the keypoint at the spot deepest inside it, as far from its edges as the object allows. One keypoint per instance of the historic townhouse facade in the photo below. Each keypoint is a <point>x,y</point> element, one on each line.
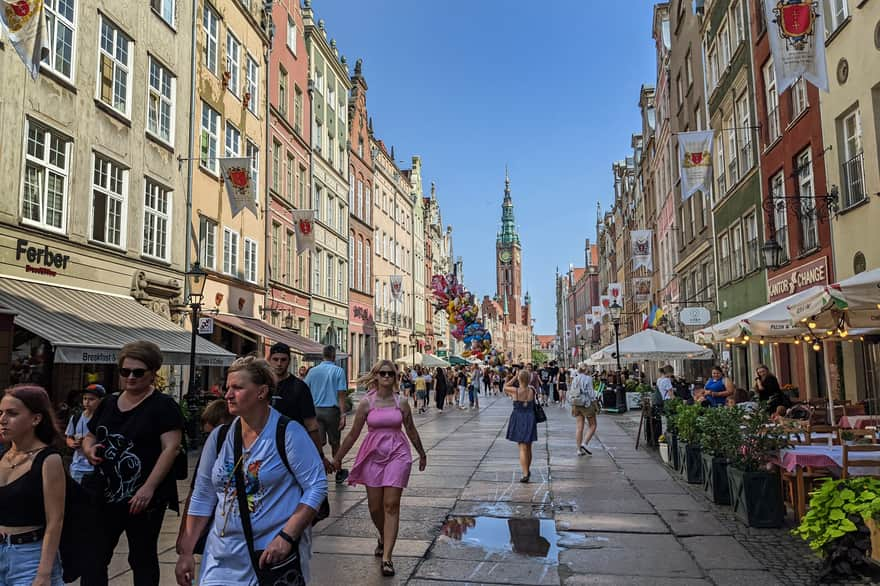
<point>851,131</point>
<point>420,278</point>
<point>329,89</point>
<point>287,181</point>
<point>696,266</point>
<point>94,202</point>
<point>361,310</point>
<point>736,197</point>
<point>438,247</point>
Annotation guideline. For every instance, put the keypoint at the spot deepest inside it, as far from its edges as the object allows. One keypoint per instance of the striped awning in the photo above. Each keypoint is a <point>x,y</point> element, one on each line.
<point>308,348</point>
<point>88,327</point>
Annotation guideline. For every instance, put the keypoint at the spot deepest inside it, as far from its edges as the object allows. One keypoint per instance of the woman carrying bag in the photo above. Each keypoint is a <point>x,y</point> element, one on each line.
<point>584,406</point>
<point>263,488</point>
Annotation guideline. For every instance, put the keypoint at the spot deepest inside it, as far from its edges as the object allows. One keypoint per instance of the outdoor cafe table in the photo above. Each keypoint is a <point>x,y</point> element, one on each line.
<point>858,421</point>
<point>797,458</point>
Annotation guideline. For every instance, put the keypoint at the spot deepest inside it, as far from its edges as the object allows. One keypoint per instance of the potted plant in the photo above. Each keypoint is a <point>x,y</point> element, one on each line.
<point>841,525</point>
<point>719,435</point>
<point>687,425</point>
<point>664,450</point>
<point>755,486</point>
<point>670,410</point>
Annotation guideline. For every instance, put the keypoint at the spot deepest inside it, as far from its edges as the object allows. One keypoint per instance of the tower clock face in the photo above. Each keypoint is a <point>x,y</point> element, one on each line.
<point>504,256</point>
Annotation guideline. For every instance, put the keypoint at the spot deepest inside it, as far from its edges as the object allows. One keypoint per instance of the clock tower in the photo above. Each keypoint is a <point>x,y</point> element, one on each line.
<point>508,259</point>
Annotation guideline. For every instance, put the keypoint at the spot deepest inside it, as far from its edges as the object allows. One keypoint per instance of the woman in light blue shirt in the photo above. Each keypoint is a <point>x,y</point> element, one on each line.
<point>282,501</point>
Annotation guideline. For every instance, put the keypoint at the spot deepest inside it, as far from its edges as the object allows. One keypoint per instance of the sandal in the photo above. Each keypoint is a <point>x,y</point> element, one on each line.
<point>387,568</point>
<point>380,548</point>
<point>525,478</point>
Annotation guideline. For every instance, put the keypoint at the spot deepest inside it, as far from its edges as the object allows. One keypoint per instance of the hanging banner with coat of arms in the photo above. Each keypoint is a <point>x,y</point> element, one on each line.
<point>577,330</point>
<point>695,161</point>
<point>796,29</point>
<point>641,249</point>
<point>304,226</point>
<point>597,314</point>
<point>604,303</point>
<point>615,293</point>
<point>642,288</point>
<point>397,286</point>
<point>25,25</point>
<point>237,177</point>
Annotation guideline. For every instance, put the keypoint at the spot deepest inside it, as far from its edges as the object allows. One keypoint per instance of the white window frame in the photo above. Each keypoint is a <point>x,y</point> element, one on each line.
<point>290,257</point>
<point>750,232</point>
<point>119,68</point>
<point>780,213</point>
<point>230,251</point>
<point>351,255</point>
<point>835,12</point>
<point>329,273</point>
<point>233,64</point>
<point>744,138</point>
<point>156,221</point>
<point>55,22</point>
<point>251,260</point>
<point>725,48</point>
<point>44,166</point>
<point>252,84</point>
<point>360,265</point>
<point>807,192</point>
<point>208,243</point>
<point>211,29</point>
<point>800,100</point>
<point>158,100</point>
<point>164,9</point>
<point>209,143</point>
<point>111,196</point>
<point>291,35</point>
<point>340,280</point>
<point>252,152</point>
<point>772,102</point>
<point>231,141</point>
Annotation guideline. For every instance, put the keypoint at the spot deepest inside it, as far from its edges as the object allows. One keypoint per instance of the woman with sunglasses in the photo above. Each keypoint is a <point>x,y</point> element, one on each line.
<point>133,440</point>
<point>384,460</point>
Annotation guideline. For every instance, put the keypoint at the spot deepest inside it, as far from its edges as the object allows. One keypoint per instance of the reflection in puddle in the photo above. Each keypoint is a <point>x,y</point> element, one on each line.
<point>529,537</point>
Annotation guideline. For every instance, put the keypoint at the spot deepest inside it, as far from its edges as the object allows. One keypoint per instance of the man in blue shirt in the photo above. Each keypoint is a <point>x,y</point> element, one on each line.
<point>329,386</point>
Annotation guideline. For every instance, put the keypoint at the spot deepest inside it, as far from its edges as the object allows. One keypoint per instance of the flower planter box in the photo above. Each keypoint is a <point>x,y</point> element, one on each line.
<point>874,528</point>
<point>756,497</point>
<point>674,460</point>
<point>664,453</point>
<point>691,466</point>
<point>715,481</point>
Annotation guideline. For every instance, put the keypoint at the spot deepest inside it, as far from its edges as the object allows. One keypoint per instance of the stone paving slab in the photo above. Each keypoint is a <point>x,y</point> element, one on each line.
<point>333,544</point>
<point>362,570</point>
<point>689,523</point>
<point>626,502</point>
<point>612,522</point>
<point>354,527</point>
<point>631,555</point>
<point>720,552</point>
<point>739,577</point>
<point>468,508</point>
<point>532,574</point>
<point>605,580</point>
<point>664,486</point>
<point>676,502</point>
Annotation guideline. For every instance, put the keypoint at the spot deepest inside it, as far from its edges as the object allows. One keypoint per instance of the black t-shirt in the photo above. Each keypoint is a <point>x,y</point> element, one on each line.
<point>293,398</point>
<point>544,374</point>
<point>132,446</point>
<point>554,372</point>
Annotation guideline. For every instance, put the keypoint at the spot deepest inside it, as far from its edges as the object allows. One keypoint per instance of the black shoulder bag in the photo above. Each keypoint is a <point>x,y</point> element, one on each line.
<point>287,572</point>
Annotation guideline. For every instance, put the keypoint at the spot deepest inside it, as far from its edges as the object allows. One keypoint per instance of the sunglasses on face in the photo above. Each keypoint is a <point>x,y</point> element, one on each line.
<point>386,373</point>
<point>136,372</point>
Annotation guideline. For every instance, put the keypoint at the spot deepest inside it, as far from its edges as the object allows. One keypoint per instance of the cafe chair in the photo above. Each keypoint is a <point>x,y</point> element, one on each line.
<point>871,459</point>
<point>814,438</point>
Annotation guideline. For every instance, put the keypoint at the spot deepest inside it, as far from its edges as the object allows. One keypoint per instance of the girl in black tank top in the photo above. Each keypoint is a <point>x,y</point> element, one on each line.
<point>31,502</point>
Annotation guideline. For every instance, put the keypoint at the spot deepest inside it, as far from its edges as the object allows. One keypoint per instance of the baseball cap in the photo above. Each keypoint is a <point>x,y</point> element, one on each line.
<point>279,348</point>
<point>96,389</point>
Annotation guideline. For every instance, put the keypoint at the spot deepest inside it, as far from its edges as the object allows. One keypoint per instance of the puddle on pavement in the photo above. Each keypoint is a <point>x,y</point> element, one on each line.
<point>529,537</point>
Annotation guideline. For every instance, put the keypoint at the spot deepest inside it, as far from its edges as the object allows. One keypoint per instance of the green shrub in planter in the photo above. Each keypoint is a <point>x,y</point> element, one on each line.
<point>687,425</point>
<point>835,525</point>
<point>719,437</point>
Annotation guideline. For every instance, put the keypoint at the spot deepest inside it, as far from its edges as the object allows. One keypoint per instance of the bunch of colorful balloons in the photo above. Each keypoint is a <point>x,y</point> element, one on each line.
<point>461,307</point>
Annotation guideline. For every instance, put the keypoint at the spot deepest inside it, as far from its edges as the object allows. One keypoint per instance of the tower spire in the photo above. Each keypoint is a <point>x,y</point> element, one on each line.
<point>508,234</point>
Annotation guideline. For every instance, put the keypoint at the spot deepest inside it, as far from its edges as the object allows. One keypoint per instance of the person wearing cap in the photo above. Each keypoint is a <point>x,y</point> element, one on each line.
<point>292,396</point>
<point>77,428</point>
<point>329,387</point>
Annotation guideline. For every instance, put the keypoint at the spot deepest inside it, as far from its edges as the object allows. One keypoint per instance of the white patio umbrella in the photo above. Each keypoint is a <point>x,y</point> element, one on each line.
<point>654,345</point>
<point>428,360</point>
<point>856,300</point>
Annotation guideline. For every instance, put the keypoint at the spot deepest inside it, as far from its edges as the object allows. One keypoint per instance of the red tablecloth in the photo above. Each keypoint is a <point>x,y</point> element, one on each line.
<point>824,457</point>
<point>859,421</point>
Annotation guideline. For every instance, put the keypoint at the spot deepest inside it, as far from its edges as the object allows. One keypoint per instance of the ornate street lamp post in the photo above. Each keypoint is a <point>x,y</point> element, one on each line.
<point>615,311</point>
<point>195,279</point>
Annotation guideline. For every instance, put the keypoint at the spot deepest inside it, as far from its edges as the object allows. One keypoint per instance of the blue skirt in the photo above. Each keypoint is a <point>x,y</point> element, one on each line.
<point>522,427</point>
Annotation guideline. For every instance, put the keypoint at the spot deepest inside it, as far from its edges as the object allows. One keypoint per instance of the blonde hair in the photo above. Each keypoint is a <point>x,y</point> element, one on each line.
<point>369,379</point>
<point>524,378</point>
<point>257,369</point>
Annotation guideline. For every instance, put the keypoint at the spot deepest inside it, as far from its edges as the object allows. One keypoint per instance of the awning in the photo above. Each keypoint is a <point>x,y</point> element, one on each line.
<point>856,300</point>
<point>87,327</point>
<point>652,345</point>
<point>309,349</point>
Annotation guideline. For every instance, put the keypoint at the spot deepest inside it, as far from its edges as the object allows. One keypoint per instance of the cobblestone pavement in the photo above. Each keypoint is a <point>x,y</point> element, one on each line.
<point>616,517</point>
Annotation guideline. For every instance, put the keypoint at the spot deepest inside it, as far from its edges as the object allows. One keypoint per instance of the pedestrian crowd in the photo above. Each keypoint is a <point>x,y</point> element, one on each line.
<point>261,480</point>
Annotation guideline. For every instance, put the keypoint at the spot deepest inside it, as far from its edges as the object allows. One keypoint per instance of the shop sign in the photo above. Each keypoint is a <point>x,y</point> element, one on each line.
<point>361,312</point>
<point>440,354</point>
<point>206,325</point>
<point>803,277</point>
<point>694,316</point>
<point>39,260</point>
<point>68,355</point>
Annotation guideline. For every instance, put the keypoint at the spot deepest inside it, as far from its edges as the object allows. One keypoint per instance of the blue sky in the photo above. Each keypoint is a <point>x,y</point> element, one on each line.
<point>550,88</point>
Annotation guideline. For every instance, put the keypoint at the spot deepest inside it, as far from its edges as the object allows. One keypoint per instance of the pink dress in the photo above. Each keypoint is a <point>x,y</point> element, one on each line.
<point>384,459</point>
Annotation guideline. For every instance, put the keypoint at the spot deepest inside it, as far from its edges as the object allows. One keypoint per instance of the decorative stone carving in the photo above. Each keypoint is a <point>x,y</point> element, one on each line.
<point>161,295</point>
<point>842,71</point>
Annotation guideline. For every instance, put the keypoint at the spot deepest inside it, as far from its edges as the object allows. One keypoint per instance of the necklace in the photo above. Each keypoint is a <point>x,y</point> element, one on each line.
<point>27,456</point>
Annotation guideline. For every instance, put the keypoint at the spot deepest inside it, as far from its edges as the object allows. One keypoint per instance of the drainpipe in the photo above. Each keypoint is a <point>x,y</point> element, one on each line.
<point>313,252</point>
<point>267,206</point>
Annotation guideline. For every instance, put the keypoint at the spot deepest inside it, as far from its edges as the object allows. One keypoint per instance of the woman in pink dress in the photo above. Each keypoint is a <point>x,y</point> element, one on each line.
<point>384,459</point>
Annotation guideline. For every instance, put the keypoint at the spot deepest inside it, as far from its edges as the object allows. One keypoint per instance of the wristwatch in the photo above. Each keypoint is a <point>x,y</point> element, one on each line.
<point>286,537</point>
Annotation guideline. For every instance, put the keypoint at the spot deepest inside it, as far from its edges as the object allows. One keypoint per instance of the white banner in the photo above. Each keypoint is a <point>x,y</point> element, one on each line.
<point>25,25</point>
<point>304,226</point>
<point>577,330</point>
<point>604,303</point>
<point>237,177</point>
<point>597,314</point>
<point>642,288</point>
<point>796,29</point>
<point>615,293</point>
<point>641,249</point>
<point>397,286</point>
<point>695,160</point>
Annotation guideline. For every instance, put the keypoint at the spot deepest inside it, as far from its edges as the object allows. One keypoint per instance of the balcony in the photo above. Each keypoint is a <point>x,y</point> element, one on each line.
<point>853,174</point>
